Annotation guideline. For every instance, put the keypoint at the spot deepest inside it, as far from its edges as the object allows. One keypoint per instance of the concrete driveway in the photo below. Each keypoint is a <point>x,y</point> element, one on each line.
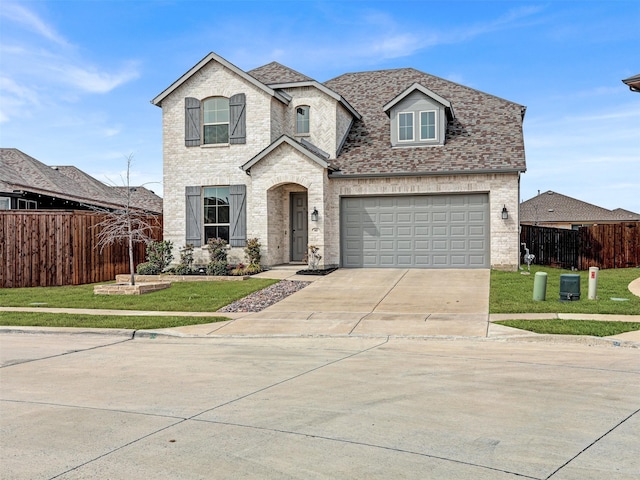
<point>103,406</point>
<point>375,301</point>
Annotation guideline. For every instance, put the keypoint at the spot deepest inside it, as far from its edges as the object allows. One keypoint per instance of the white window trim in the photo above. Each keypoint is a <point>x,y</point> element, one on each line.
<point>203,206</point>
<point>413,127</point>
<point>435,121</point>
<point>205,124</point>
<point>307,133</point>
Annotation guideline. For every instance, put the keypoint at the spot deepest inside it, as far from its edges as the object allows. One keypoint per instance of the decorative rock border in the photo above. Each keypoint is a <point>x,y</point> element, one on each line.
<point>126,289</point>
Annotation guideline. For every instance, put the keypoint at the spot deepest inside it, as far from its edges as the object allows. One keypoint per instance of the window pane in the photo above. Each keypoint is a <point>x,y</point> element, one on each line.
<point>210,214</point>
<point>405,126</point>
<point>427,125</point>
<point>216,134</point>
<point>223,215</point>
<point>216,110</point>
<point>216,232</point>
<point>302,120</point>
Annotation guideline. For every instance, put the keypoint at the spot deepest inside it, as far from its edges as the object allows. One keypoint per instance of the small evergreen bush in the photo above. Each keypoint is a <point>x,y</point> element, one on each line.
<point>218,268</point>
<point>185,267</point>
<point>147,268</point>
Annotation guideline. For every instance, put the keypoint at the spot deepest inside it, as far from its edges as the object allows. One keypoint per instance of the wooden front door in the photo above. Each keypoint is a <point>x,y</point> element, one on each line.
<point>299,226</point>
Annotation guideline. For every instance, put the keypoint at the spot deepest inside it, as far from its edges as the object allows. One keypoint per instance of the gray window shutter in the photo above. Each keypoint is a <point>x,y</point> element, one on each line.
<point>237,119</point>
<point>238,213</point>
<point>193,216</point>
<point>191,122</point>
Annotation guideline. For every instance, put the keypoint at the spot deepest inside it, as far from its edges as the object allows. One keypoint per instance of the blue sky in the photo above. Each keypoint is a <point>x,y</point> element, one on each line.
<point>77,77</point>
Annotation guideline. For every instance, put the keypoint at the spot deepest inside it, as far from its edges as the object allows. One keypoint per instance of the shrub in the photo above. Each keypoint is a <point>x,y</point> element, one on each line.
<point>160,255</point>
<point>252,250</point>
<point>218,268</point>
<point>147,268</point>
<point>217,250</point>
<point>253,268</point>
<point>185,267</point>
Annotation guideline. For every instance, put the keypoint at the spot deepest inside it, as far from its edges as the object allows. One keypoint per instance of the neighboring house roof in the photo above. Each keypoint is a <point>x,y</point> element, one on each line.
<point>485,136</point>
<point>19,171</point>
<point>633,83</point>
<point>552,207</point>
<point>212,56</point>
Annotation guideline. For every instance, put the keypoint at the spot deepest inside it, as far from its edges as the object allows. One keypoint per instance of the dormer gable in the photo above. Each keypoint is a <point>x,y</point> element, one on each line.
<point>419,117</point>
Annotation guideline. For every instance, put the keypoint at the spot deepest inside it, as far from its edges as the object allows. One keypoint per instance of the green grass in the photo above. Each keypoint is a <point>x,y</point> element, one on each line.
<point>512,292</point>
<point>36,319</point>
<point>573,327</point>
<point>180,297</point>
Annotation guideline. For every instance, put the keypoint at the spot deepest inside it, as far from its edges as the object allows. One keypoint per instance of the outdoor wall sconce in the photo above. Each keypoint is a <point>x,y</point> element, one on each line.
<point>505,213</point>
<point>314,215</point>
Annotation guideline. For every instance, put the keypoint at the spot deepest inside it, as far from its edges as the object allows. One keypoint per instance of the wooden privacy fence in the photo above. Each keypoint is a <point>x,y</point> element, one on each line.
<point>50,248</point>
<point>603,246</point>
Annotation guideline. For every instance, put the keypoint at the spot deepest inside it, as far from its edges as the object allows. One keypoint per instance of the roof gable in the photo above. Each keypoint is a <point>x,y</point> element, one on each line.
<point>424,90</point>
<point>311,151</point>
<point>214,57</point>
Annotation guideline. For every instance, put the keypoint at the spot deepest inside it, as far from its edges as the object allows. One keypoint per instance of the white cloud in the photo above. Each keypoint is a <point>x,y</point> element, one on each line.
<point>20,15</point>
<point>93,81</point>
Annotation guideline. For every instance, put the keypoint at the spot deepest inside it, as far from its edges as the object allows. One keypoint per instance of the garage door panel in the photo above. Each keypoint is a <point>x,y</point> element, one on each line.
<point>420,231</point>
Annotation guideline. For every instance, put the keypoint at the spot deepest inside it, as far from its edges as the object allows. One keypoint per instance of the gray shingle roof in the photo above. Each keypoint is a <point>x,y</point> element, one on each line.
<point>485,136</point>
<point>274,72</point>
<point>555,207</point>
<point>19,171</point>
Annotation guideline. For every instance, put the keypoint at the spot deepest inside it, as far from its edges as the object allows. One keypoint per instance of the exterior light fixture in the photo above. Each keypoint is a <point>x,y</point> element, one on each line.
<point>505,213</point>
<point>314,215</point>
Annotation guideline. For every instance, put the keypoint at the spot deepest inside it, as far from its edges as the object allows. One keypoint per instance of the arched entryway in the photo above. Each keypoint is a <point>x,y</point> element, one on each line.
<point>287,223</point>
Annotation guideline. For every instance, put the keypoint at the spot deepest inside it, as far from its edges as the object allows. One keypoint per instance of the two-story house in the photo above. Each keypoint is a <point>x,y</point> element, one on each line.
<point>391,168</point>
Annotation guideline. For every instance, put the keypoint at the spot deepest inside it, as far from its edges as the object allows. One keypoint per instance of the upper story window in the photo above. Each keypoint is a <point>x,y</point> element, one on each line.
<point>216,120</point>
<point>405,127</point>
<point>428,130</point>
<point>302,120</point>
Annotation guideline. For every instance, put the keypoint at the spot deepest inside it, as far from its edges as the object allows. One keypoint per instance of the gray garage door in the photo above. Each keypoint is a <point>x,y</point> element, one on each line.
<point>419,231</point>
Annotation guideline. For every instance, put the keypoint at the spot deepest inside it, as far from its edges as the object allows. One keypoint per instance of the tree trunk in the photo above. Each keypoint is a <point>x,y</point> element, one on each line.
<point>133,276</point>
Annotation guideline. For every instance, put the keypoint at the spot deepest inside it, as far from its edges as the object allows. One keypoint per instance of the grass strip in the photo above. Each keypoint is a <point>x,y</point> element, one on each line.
<point>572,327</point>
<point>180,297</point>
<point>37,319</point>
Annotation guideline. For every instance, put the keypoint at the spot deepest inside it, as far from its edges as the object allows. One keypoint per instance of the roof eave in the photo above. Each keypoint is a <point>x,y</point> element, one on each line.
<point>338,174</point>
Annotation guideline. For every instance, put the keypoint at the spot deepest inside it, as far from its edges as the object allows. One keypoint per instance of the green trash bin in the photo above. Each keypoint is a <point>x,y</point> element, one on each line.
<point>569,287</point>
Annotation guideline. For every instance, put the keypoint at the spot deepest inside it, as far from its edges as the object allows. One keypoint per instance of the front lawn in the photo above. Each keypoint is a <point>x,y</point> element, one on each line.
<point>512,292</point>
<point>180,297</point>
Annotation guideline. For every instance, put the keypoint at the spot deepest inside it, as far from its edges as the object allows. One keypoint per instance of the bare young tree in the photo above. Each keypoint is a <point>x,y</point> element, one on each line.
<point>126,224</point>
